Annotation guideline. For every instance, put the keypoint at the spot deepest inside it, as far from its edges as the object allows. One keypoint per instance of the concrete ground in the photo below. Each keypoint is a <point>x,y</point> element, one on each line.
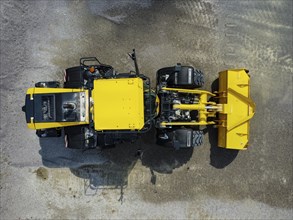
<point>43,180</point>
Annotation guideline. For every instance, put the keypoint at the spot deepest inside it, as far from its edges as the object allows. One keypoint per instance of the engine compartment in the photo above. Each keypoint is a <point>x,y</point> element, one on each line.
<point>168,113</point>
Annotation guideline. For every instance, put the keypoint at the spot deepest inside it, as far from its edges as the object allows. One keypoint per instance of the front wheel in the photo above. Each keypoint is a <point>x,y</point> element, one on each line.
<point>180,138</point>
<point>185,77</point>
<point>197,138</point>
<point>198,78</point>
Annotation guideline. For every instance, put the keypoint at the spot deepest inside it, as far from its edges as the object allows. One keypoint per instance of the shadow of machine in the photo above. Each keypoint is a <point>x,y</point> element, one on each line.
<point>97,117</point>
<point>109,168</point>
<point>219,157</point>
<point>102,114</point>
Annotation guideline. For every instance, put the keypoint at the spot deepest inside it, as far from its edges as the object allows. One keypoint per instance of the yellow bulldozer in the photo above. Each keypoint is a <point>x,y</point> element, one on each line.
<point>98,107</point>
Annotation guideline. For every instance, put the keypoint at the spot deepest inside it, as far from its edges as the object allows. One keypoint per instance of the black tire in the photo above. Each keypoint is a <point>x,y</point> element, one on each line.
<point>162,159</point>
<point>198,78</point>
<point>215,85</point>
<point>164,138</point>
<point>197,138</point>
<point>179,77</point>
<point>73,77</point>
<point>178,138</point>
<point>74,137</point>
<point>48,84</point>
<point>162,72</point>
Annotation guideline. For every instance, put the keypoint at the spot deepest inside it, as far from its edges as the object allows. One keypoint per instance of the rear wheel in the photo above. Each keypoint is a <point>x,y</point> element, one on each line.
<point>73,77</point>
<point>74,137</point>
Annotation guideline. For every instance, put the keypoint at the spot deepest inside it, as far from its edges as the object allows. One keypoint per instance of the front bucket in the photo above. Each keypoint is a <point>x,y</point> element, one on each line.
<point>237,109</point>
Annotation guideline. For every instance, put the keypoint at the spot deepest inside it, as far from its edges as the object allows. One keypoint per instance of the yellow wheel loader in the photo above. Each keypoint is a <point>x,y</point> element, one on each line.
<point>98,107</point>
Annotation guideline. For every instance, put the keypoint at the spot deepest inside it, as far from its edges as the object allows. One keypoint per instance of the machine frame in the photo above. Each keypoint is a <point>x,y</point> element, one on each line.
<point>100,107</point>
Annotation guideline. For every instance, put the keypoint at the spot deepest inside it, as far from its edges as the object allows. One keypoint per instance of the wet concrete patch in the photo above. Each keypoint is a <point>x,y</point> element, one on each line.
<point>42,173</point>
